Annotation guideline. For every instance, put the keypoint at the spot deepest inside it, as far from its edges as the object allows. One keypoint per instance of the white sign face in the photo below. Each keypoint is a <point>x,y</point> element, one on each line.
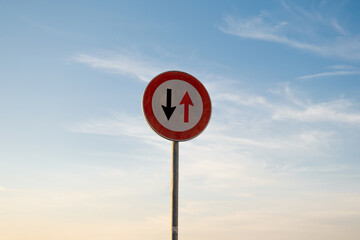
<point>177,105</point>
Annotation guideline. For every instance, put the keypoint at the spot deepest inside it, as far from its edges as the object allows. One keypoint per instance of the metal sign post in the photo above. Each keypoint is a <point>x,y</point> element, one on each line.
<point>175,190</point>
<point>177,107</point>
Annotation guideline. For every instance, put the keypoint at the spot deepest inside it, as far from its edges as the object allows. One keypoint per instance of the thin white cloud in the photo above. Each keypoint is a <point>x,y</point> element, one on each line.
<point>291,107</point>
<point>230,155</point>
<point>224,156</point>
<point>325,112</point>
<point>342,67</point>
<point>129,64</point>
<point>290,33</point>
<point>337,70</point>
<point>136,65</point>
<point>329,74</point>
<point>257,28</point>
<point>241,99</point>
<point>337,27</point>
<point>226,161</point>
<point>119,125</point>
<point>231,160</point>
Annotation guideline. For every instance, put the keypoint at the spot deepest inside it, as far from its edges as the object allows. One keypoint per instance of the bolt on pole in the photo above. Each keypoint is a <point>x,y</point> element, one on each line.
<point>175,190</point>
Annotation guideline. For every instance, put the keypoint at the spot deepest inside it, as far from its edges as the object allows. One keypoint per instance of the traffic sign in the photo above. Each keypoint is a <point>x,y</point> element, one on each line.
<point>176,106</point>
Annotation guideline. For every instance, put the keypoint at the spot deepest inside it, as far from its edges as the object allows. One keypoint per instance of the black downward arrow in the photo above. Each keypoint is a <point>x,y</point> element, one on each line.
<point>168,110</point>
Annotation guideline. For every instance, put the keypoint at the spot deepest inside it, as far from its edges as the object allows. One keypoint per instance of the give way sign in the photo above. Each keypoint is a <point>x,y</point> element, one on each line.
<point>176,106</point>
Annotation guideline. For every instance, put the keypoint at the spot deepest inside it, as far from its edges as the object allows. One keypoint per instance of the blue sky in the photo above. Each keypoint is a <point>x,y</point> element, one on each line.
<point>279,158</point>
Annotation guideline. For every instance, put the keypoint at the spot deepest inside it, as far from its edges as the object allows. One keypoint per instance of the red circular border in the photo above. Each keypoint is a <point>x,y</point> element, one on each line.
<point>156,125</point>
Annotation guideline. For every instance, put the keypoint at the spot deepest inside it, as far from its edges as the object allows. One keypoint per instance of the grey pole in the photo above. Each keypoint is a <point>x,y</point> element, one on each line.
<point>175,190</point>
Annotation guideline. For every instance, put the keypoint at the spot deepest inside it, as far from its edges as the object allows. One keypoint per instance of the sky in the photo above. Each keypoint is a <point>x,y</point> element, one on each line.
<point>279,159</point>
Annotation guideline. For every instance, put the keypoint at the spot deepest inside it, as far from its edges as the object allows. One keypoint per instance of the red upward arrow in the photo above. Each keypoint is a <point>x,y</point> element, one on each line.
<point>186,100</point>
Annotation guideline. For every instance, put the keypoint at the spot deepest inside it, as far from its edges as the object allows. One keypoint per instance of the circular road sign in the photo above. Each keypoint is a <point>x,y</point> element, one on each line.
<point>176,106</point>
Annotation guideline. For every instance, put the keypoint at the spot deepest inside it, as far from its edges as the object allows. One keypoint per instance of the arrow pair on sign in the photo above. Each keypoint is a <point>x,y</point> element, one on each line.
<point>169,110</point>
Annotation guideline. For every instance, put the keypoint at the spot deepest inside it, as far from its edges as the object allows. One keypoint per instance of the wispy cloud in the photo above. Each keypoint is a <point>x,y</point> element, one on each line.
<point>231,160</point>
<point>287,31</point>
<point>258,28</point>
<point>329,74</point>
<point>226,151</point>
<point>128,64</point>
<point>119,125</point>
<point>240,147</point>
<point>342,67</point>
<point>336,71</point>
<point>325,112</point>
<point>295,108</point>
